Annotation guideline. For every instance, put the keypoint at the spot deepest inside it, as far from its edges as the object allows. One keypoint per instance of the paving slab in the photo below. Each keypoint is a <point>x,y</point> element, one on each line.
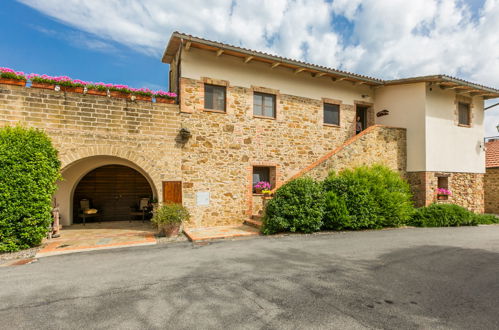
<point>220,232</point>
<point>98,236</point>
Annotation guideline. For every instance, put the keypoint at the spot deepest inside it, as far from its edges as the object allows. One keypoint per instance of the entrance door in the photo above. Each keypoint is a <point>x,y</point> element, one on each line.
<point>361,118</point>
<point>114,190</point>
<point>172,192</point>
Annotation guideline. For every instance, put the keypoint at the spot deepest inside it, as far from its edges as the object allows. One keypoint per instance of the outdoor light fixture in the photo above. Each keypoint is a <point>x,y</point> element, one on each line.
<point>497,127</point>
<point>185,133</point>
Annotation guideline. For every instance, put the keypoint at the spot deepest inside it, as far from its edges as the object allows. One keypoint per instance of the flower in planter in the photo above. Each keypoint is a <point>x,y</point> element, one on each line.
<point>266,191</point>
<point>118,88</point>
<point>100,86</point>
<point>262,185</point>
<point>141,91</point>
<point>8,73</point>
<point>165,95</point>
<point>443,191</point>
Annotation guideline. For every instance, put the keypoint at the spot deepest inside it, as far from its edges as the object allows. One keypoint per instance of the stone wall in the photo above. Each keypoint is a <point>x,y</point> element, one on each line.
<point>467,189</point>
<point>376,145</point>
<point>86,125</point>
<point>492,190</point>
<point>225,145</point>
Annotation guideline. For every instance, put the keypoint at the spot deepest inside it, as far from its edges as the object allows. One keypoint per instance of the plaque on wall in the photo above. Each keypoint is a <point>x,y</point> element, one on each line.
<point>202,198</point>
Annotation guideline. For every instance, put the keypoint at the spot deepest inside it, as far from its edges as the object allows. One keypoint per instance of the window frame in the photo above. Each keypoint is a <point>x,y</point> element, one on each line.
<point>274,105</point>
<point>324,104</point>
<point>205,98</point>
<point>468,105</point>
<point>272,176</point>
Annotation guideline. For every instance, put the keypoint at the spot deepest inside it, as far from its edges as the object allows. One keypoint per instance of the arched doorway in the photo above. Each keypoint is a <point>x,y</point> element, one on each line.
<point>74,172</point>
<point>114,190</point>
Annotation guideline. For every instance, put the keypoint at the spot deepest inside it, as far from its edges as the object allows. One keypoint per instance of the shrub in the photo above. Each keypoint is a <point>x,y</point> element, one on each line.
<point>444,215</point>
<point>29,169</point>
<point>336,216</point>
<point>297,207</point>
<point>170,214</point>
<point>486,219</point>
<point>374,197</point>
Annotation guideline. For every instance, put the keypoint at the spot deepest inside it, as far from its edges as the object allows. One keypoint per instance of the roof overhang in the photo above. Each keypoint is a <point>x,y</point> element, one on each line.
<point>178,39</point>
<point>462,87</point>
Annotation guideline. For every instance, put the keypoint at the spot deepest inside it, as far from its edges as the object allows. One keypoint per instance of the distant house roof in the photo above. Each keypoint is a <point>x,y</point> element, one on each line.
<point>445,82</point>
<point>492,154</point>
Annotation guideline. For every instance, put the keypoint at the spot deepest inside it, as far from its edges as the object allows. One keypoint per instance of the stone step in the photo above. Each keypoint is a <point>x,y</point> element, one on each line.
<point>221,232</point>
<point>254,222</point>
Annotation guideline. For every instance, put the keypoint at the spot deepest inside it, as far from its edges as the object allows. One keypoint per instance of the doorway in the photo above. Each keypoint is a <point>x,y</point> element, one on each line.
<point>361,118</point>
<point>114,190</point>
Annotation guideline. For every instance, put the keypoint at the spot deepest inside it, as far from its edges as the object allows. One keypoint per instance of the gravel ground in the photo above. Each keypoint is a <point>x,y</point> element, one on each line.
<point>23,254</point>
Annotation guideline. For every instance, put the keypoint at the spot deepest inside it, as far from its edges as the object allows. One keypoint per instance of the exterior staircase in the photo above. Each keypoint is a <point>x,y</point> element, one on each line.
<point>377,144</point>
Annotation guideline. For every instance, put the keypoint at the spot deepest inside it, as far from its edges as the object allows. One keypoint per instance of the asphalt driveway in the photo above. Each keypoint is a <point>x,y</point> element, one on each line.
<point>399,279</point>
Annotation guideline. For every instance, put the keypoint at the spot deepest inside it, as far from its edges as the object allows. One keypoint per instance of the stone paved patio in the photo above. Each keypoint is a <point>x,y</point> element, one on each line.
<point>96,236</point>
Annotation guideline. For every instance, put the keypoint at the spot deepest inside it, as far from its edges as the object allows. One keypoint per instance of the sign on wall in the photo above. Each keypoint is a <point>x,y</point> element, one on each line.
<point>202,198</point>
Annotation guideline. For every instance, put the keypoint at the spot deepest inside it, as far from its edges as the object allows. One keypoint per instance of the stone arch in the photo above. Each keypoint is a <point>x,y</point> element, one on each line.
<point>77,163</point>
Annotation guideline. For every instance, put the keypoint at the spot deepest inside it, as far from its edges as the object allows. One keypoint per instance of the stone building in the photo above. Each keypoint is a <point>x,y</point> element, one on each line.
<point>244,116</point>
<point>492,176</point>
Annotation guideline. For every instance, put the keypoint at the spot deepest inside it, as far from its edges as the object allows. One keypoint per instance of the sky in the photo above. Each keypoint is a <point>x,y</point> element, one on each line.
<point>121,41</point>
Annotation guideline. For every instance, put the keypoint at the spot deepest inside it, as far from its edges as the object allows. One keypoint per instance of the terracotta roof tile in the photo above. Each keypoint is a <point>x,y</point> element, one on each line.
<point>492,154</point>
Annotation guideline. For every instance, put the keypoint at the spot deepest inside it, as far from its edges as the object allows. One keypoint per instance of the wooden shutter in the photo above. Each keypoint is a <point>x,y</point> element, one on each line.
<point>172,192</point>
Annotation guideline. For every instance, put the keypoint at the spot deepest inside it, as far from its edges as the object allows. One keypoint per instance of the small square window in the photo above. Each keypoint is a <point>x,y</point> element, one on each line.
<point>264,174</point>
<point>331,114</point>
<point>264,105</point>
<point>464,113</point>
<point>214,97</point>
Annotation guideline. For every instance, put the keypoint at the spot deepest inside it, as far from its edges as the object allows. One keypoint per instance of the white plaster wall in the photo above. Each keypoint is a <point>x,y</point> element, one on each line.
<point>406,104</point>
<point>452,148</point>
<point>73,173</point>
<point>197,63</point>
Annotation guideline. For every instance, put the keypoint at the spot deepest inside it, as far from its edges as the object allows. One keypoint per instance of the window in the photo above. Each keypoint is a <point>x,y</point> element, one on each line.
<point>214,97</point>
<point>464,113</point>
<point>264,105</point>
<point>264,173</point>
<point>331,114</point>
<point>443,188</point>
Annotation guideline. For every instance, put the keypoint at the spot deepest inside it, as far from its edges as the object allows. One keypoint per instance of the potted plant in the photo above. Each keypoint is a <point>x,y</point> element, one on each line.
<point>119,91</point>
<point>165,97</point>
<point>443,194</point>
<point>11,77</point>
<point>42,81</point>
<point>142,94</point>
<point>169,217</point>
<point>261,186</point>
<point>96,89</point>
<point>69,85</point>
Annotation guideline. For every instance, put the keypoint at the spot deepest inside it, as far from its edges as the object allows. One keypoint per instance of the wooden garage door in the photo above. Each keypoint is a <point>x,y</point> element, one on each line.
<point>172,192</point>
<point>113,189</point>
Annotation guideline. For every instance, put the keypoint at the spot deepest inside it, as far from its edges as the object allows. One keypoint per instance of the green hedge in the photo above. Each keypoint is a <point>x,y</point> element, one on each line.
<point>449,215</point>
<point>29,168</point>
<point>296,206</point>
<point>366,197</point>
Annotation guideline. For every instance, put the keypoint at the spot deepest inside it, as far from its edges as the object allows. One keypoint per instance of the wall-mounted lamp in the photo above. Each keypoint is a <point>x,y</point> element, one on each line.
<point>382,113</point>
<point>364,96</point>
<point>185,134</point>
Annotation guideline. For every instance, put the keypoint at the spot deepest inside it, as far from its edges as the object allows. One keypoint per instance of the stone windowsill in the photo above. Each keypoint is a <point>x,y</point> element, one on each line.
<point>215,111</point>
<point>331,125</point>
<point>264,117</point>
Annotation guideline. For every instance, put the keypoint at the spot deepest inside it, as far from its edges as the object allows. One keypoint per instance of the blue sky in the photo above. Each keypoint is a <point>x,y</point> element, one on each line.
<point>121,41</point>
<point>37,43</point>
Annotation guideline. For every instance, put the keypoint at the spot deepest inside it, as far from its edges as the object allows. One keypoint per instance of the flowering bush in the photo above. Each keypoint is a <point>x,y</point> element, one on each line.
<point>443,191</point>
<point>7,73</point>
<point>165,95</point>
<point>263,185</point>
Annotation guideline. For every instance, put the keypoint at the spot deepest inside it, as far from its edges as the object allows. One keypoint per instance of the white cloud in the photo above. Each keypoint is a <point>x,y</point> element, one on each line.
<point>391,38</point>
